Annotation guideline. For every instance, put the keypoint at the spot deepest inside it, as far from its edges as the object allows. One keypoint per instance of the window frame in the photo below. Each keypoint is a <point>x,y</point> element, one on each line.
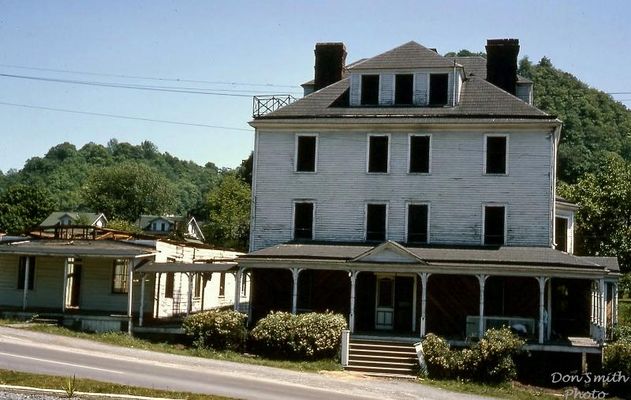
<point>198,283</point>
<point>222,285</point>
<point>361,90</point>
<point>368,136</point>
<point>394,89</point>
<point>169,285</point>
<point>31,273</point>
<point>293,218</point>
<point>376,202</point>
<point>429,155</point>
<point>567,236</point>
<point>315,161</point>
<point>506,155</point>
<point>125,276</point>
<point>407,219</point>
<point>505,233</point>
<point>429,89</point>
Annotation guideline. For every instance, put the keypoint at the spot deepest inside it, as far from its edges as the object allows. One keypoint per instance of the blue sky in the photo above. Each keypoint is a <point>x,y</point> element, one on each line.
<point>267,45</point>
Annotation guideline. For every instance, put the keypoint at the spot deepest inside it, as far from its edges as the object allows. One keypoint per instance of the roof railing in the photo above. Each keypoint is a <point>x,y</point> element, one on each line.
<point>262,105</point>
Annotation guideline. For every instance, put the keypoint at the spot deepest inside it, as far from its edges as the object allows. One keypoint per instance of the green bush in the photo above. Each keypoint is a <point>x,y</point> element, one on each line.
<point>617,357</point>
<point>489,360</point>
<point>622,332</point>
<point>217,329</point>
<point>311,336</point>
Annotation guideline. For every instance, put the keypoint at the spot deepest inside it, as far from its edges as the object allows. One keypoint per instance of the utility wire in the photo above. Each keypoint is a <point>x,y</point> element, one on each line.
<point>67,71</point>
<point>163,121</point>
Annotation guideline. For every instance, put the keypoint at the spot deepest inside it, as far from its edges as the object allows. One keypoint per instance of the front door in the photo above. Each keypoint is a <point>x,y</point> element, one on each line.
<point>384,310</point>
<point>403,301</point>
<point>74,283</point>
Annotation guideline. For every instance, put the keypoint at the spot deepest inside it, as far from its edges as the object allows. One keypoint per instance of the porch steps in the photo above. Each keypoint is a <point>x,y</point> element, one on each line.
<point>382,358</point>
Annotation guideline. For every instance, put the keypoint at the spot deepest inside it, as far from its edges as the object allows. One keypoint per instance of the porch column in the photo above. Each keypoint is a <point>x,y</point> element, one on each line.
<point>295,272</point>
<point>189,303</point>
<point>142,299</point>
<point>27,267</point>
<point>549,309</point>
<point>603,307</point>
<point>65,286</point>
<point>414,300</point>
<point>130,294</point>
<point>351,314</point>
<point>424,277</point>
<point>542,286</point>
<point>156,305</point>
<point>237,288</point>
<point>482,280</point>
<point>614,306</point>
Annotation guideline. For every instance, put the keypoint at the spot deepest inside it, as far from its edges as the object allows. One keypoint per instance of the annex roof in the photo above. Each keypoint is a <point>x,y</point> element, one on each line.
<point>187,267</point>
<point>76,248</point>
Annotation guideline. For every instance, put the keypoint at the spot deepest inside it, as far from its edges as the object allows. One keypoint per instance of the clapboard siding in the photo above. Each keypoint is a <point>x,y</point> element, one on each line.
<point>455,190</point>
<point>47,284</point>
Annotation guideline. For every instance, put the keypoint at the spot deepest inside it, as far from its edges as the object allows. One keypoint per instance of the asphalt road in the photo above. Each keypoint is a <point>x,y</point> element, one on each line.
<point>36,352</point>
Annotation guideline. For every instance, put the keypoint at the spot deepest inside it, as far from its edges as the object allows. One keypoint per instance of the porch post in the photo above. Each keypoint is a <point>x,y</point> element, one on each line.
<point>614,308</point>
<point>424,277</point>
<point>295,272</point>
<point>156,306</point>
<point>482,280</point>
<point>351,314</point>
<point>542,286</point>
<point>549,308</point>
<point>189,303</point>
<point>414,298</point>
<point>27,267</point>
<point>237,288</point>
<point>130,294</point>
<point>603,307</point>
<point>65,286</point>
<point>142,299</point>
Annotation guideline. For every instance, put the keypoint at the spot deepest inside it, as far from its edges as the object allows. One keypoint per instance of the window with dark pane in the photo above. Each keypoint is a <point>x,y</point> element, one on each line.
<point>495,154</point>
<point>438,89</point>
<point>417,223</point>
<point>494,225</point>
<point>120,283</point>
<point>303,221</point>
<point>170,283</point>
<point>222,284</point>
<point>378,154</point>
<point>22,272</point>
<point>370,90</point>
<point>419,154</point>
<point>404,89</point>
<point>376,222</point>
<point>386,291</point>
<point>560,233</point>
<point>306,157</point>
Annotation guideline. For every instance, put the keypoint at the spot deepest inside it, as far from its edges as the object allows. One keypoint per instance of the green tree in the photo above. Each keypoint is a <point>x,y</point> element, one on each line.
<point>126,190</point>
<point>229,218</point>
<point>23,207</point>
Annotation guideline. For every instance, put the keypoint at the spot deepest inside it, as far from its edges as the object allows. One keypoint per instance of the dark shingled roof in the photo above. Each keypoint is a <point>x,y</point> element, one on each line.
<point>610,263</point>
<point>76,248</point>
<point>409,55</point>
<point>535,256</point>
<point>476,65</point>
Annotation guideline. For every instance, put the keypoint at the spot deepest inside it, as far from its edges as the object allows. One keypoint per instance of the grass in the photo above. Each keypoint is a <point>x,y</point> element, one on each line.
<point>512,391</point>
<point>124,340</point>
<point>88,385</point>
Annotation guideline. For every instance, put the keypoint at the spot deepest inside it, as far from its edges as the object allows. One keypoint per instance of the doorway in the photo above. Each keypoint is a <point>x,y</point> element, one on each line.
<point>394,305</point>
<point>73,282</point>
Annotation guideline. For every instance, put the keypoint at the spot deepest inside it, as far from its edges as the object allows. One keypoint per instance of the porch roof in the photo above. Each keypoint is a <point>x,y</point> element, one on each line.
<point>154,267</point>
<point>76,248</point>
<point>472,255</point>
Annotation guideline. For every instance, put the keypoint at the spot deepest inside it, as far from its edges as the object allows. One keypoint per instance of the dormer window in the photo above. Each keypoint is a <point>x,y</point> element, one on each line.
<point>438,89</point>
<point>404,89</point>
<point>370,90</point>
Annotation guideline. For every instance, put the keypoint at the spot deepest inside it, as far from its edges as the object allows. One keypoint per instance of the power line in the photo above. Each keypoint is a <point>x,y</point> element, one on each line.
<point>67,71</point>
<point>163,121</point>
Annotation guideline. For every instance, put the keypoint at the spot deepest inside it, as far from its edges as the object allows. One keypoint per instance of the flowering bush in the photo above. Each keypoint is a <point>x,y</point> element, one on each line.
<point>217,329</point>
<point>312,335</point>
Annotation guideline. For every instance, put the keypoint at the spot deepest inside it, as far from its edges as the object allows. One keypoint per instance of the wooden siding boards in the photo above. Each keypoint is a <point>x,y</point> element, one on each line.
<point>386,89</point>
<point>421,89</point>
<point>456,188</point>
<point>355,89</point>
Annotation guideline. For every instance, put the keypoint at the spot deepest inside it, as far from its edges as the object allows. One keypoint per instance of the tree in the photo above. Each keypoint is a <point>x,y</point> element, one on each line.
<point>229,207</point>
<point>23,207</point>
<point>126,190</point>
<point>244,171</point>
<point>604,215</point>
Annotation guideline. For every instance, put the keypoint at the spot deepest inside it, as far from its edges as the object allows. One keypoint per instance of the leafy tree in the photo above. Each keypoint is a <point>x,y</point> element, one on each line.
<point>127,190</point>
<point>122,225</point>
<point>244,171</point>
<point>229,218</point>
<point>23,207</point>
<point>465,53</point>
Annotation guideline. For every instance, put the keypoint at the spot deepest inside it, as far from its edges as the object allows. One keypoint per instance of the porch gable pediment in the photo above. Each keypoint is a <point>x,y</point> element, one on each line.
<point>388,252</point>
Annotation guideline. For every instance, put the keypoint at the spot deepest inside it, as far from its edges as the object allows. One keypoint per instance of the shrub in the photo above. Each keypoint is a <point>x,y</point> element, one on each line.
<point>489,360</point>
<point>312,335</point>
<point>617,357</point>
<point>622,332</point>
<point>217,329</point>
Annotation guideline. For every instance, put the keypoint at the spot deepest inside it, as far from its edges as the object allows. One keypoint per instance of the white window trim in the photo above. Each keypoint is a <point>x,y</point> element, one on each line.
<point>429,86</point>
<point>407,215</point>
<point>376,202</point>
<point>394,88</point>
<point>368,136</point>
<point>506,158</point>
<point>361,81</point>
<point>293,217</point>
<point>410,135</point>
<point>568,228</point>
<point>492,204</point>
<point>315,164</point>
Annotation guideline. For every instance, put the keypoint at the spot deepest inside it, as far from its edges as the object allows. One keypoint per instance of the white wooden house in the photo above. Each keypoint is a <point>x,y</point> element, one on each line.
<point>415,193</point>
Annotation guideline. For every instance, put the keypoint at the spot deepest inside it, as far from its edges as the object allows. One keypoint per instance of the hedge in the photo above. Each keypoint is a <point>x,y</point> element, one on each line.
<point>217,329</point>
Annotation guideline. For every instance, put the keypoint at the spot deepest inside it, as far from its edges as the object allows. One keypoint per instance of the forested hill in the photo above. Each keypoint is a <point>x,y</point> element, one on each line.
<point>594,124</point>
<point>65,170</point>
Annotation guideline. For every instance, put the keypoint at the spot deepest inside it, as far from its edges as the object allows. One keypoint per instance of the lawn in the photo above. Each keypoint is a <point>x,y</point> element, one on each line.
<point>510,390</point>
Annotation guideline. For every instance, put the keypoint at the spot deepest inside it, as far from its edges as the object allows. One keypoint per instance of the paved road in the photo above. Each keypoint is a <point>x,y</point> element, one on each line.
<point>36,352</point>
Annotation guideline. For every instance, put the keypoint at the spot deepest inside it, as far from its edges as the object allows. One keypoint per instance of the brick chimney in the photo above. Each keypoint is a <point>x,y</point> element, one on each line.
<point>501,63</point>
<point>330,59</point>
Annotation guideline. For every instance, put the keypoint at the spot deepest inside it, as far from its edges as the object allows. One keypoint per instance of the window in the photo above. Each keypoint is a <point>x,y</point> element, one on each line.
<point>306,150</point>
<point>495,149</point>
<point>438,89</point>
<point>418,223</point>
<point>404,89</point>
<point>560,233</point>
<point>370,90</point>
<point>170,284</point>
<point>222,284</point>
<point>303,221</point>
<point>378,153</point>
<point>163,227</point>
<point>22,272</point>
<point>244,285</point>
<point>376,222</point>
<point>198,284</point>
<point>494,225</point>
<point>120,282</point>
<point>419,153</point>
